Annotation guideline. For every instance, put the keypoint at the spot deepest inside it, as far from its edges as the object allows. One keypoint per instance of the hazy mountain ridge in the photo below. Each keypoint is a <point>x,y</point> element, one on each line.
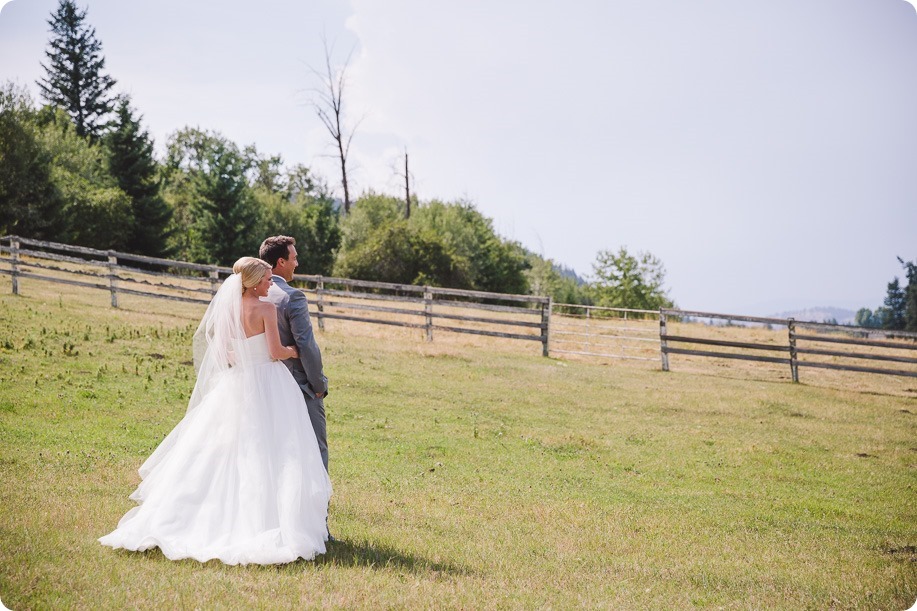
<point>820,314</point>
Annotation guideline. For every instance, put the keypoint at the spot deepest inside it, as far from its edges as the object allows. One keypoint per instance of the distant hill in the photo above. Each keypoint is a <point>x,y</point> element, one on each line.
<point>824,314</point>
<point>568,272</point>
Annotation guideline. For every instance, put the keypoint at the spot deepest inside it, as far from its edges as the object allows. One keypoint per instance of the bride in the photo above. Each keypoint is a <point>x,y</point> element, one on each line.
<point>240,478</point>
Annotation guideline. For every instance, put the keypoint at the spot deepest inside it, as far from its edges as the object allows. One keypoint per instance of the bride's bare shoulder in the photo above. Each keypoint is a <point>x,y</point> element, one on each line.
<point>266,307</point>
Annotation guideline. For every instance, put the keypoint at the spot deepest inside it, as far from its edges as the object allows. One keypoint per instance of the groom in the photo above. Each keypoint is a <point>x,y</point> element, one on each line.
<point>296,327</point>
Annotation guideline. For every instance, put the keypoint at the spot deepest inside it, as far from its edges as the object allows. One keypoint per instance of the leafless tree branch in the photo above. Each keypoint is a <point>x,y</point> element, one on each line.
<point>328,102</point>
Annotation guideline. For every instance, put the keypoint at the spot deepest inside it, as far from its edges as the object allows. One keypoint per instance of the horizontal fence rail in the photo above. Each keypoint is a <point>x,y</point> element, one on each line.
<point>428,308</point>
<point>799,346</point>
<point>106,270</point>
<point>616,333</point>
<point>516,317</point>
<point>891,350</point>
<point>561,328</point>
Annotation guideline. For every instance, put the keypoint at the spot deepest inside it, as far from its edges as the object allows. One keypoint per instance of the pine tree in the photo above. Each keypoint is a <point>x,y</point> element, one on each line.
<point>896,302</point>
<point>910,306</point>
<point>132,164</point>
<point>74,78</point>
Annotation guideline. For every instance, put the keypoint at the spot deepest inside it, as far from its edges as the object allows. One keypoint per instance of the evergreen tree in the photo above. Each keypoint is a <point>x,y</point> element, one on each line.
<point>910,295</point>
<point>896,302</point>
<point>132,164</point>
<point>74,78</point>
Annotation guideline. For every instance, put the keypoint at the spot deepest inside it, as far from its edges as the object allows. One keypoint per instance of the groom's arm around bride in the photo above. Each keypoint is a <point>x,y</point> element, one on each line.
<point>295,326</point>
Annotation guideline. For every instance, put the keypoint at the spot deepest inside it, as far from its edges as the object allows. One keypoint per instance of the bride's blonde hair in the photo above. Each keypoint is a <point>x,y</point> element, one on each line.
<point>251,270</point>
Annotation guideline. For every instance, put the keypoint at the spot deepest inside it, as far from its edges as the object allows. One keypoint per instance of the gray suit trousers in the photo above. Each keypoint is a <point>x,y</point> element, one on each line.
<point>316,409</point>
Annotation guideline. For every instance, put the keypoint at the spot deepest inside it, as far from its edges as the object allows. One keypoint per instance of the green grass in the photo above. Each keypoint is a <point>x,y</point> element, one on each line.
<point>467,474</point>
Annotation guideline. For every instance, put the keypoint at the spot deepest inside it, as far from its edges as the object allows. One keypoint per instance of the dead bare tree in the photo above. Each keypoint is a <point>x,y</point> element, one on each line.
<point>407,176</point>
<point>328,102</point>
<point>407,187</point>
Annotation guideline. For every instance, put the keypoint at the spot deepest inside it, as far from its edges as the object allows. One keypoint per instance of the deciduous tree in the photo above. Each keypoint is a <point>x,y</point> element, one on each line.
<point>97,213</point>
<point>30,204</point>
<point>400,254</point>
<point>623,280</point>
<point>328,102</point>
<point>491,263</point>
<point>211,196</point>
<point>303,210</point>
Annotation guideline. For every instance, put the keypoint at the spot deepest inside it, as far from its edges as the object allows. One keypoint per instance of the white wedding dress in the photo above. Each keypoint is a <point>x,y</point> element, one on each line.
<point>240,478</point>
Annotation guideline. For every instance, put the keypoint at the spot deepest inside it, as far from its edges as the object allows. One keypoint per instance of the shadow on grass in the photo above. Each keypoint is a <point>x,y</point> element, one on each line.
<point>339,553</point>
<point>373,555</point>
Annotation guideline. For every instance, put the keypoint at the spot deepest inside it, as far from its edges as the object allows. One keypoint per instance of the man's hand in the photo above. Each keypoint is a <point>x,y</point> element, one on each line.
<point>320,395</point>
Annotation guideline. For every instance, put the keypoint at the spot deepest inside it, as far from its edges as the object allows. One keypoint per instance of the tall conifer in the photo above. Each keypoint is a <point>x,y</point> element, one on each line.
<point>74,78</point>
<point>910,295</point>
<point>132,164</point>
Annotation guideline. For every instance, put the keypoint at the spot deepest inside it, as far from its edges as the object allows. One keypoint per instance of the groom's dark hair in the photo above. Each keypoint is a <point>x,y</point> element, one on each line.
<point>275,247</point>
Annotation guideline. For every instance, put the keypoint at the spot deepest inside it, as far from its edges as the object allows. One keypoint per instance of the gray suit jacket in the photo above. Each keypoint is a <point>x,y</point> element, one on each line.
<point>295,327</point>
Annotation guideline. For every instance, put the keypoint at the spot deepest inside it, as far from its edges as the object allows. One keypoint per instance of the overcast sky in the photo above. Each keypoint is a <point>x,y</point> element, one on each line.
<point>765,151</point>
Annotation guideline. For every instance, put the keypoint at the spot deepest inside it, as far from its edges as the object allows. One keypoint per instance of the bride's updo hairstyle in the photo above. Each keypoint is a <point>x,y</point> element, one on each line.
<point>251,270</point>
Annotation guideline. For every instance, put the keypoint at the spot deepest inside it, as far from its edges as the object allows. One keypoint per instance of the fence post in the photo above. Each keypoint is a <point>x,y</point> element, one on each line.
<point>319,290</point>
<point>586,343</point>
<point>113,278</point>
<point>546,326</point>
<point>794,364</point>
<point>663,345</point>
<point>214,278</point>
<point>428,310</point>
<point>14,252</point>
<point>623,345</point>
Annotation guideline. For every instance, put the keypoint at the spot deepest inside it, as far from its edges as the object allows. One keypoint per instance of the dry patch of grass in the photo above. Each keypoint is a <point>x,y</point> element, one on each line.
<point>468,473</point>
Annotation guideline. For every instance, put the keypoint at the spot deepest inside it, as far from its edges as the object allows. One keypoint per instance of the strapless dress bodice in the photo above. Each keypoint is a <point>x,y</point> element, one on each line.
<point>253,350</point>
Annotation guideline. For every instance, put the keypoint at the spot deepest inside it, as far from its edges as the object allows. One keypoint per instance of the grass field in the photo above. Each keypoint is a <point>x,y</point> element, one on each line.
<point>468,474</point>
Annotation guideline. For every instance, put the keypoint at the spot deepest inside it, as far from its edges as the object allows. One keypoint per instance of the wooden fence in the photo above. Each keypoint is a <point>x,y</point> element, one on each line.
<point>617,333</point>
<point>431,308</point>
<point>803,340</point>
<point>116,272</point>
<point>517,317</point>
<point>572,329</point>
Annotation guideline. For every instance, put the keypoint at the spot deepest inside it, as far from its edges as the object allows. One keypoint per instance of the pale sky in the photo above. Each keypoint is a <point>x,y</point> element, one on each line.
<point>765,151</point>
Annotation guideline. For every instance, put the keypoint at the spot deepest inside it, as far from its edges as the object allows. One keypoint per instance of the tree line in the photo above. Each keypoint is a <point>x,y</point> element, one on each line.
<point>899,309</point>
<point>81,168</point>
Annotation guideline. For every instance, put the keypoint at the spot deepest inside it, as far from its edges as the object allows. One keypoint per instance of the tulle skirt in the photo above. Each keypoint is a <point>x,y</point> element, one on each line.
<point>240,478</point>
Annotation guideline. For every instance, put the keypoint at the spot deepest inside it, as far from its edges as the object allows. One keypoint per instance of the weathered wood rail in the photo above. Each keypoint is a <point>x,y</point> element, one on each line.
<point>518,317</point>
<point>106,270</point>
<point>616,333</point>
<point>515,317</point>
<point>563,329</point>
<point>798,346</point>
